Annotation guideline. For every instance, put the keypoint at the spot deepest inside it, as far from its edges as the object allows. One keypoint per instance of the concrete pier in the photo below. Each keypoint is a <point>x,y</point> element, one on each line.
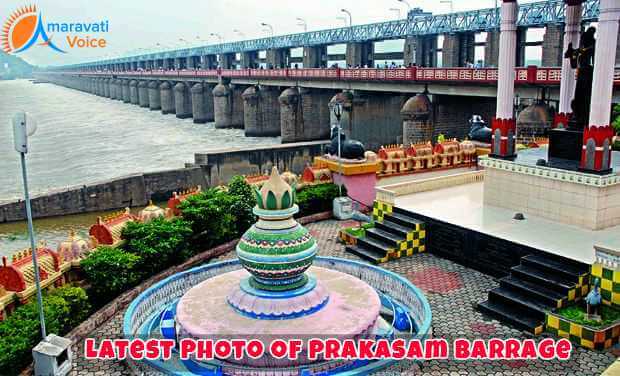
<point>552,51</point>
<point>125,90</point>
<point>143,94</point>
<point>94,86</point>
<point>100,89</point>
<point>360,54</point>
<point>277,57</point>
<point>249,59</point>
<point>371,117</point>
<point>458,48</point>
<point>417,124</point>
<point>202,103</point>
<point>315,56</point>
<point>261,111</point>
<point>167,98</point>
<point>182,101</point>
<point>106,87</point>
<point>113,87</point>
<point>491,49</point>
<point>154,96</point>
<point>227,106</point>
<point>119,89</point>
<point>133,92</point>
<point>304,114</point>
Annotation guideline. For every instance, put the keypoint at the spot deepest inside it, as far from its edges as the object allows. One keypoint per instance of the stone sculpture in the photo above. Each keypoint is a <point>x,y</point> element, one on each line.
<point>478,130</point>
<point>349,149</point>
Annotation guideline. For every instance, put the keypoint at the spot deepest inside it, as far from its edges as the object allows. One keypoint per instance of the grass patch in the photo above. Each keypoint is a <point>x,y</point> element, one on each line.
<point>359,231</point>
<point>577,313</point>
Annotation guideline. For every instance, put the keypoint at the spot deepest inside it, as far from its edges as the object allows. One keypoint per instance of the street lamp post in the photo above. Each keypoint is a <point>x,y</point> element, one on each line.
<point>24,126</point>
<point>497,15</point>
<point>338,115</point>
<point>349,14</point>
<point>269,26</point>
<point>303,23</point>
<point>397,11</point>
<point>448,2</point>
<point>407,4</point>
<point>219,37</point>
<point>239,32</point>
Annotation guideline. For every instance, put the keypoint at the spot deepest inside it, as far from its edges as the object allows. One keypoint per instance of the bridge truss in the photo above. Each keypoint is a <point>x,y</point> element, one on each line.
<point>536,14</point>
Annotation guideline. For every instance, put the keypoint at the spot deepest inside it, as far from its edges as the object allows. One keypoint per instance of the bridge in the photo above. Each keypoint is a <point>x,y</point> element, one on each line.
<point>291,97</point>
<point>418,30</point>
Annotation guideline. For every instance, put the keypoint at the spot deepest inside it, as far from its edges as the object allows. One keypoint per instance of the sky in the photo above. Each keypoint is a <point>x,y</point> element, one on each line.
<point>136,24</point>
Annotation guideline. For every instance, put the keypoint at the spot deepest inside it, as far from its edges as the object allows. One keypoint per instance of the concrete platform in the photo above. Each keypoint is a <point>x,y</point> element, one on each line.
<point>463,206</point>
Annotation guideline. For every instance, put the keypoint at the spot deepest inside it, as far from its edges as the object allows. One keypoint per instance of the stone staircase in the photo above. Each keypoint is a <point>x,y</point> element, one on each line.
<point>396,235</point>
<point>540,283</point>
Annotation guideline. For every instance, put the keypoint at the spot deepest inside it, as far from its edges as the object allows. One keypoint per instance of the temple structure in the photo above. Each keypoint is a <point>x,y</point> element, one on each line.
<point>108,230</point>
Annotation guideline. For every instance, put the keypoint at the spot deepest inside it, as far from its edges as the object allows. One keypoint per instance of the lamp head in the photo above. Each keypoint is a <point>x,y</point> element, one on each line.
<point>24,125</point>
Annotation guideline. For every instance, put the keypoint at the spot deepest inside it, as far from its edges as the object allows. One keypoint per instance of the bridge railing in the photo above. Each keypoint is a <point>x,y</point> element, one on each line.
<point>531,75</point>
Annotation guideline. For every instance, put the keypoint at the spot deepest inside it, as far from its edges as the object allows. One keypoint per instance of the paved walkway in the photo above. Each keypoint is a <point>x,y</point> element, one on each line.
<point>453,292</point>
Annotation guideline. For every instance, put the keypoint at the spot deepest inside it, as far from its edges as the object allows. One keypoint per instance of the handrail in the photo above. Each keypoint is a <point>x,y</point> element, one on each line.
<point>531,75</point>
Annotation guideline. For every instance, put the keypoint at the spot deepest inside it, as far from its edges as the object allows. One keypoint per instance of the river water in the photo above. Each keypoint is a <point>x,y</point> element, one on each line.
<point>83,138</point>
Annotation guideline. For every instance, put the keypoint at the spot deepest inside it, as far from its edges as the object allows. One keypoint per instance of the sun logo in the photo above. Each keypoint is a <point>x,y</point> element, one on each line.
<point>22,29</point>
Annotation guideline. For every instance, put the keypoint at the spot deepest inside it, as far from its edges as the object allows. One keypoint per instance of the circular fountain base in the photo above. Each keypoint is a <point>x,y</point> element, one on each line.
<point>278,305</point>
<point>351,311</point>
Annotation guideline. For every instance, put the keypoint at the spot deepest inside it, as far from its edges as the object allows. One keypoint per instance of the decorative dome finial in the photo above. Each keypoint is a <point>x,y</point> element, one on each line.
<point>275,194</point>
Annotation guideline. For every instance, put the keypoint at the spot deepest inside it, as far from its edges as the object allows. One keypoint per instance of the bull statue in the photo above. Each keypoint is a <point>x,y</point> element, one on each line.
<point>478,130</point>
<point>349,149</point>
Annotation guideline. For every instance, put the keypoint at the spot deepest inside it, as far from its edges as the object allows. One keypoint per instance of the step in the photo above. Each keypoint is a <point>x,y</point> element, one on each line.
<point>384,236</point>
<point>515,317</point>
<point>393,228</point>
<point>524,301</point>
<point>571,271</point>
<point>374,244</point>
<point>403,220</point>
<point>365,253</point>
<point>543,278</point>
<point>538,292</point>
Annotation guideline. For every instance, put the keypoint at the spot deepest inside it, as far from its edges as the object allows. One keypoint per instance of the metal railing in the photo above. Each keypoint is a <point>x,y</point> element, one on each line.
<point>531,75</point>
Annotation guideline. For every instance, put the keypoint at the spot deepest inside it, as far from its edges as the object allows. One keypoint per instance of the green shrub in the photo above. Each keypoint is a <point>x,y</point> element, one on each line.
<point>78,302</point>
<point>243,205</point>
<point>20,332</point>
<point>159,243</point>
<point>359,231</point>
<point>615,124</point>
<point>211,217</point>
<point>317,198</point>
<point>111,271</point>
<point>577,313</point>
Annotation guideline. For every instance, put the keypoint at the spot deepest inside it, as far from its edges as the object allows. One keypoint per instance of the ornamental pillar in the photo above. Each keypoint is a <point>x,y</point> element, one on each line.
<point>567,84</point>
<point>504,125</point>
<point>597,137</point>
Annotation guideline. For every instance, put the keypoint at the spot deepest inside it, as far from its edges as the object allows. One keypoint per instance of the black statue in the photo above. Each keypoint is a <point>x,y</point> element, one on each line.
<point>349,149</point>
<point>478,130</point>
<point>582,59</point>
